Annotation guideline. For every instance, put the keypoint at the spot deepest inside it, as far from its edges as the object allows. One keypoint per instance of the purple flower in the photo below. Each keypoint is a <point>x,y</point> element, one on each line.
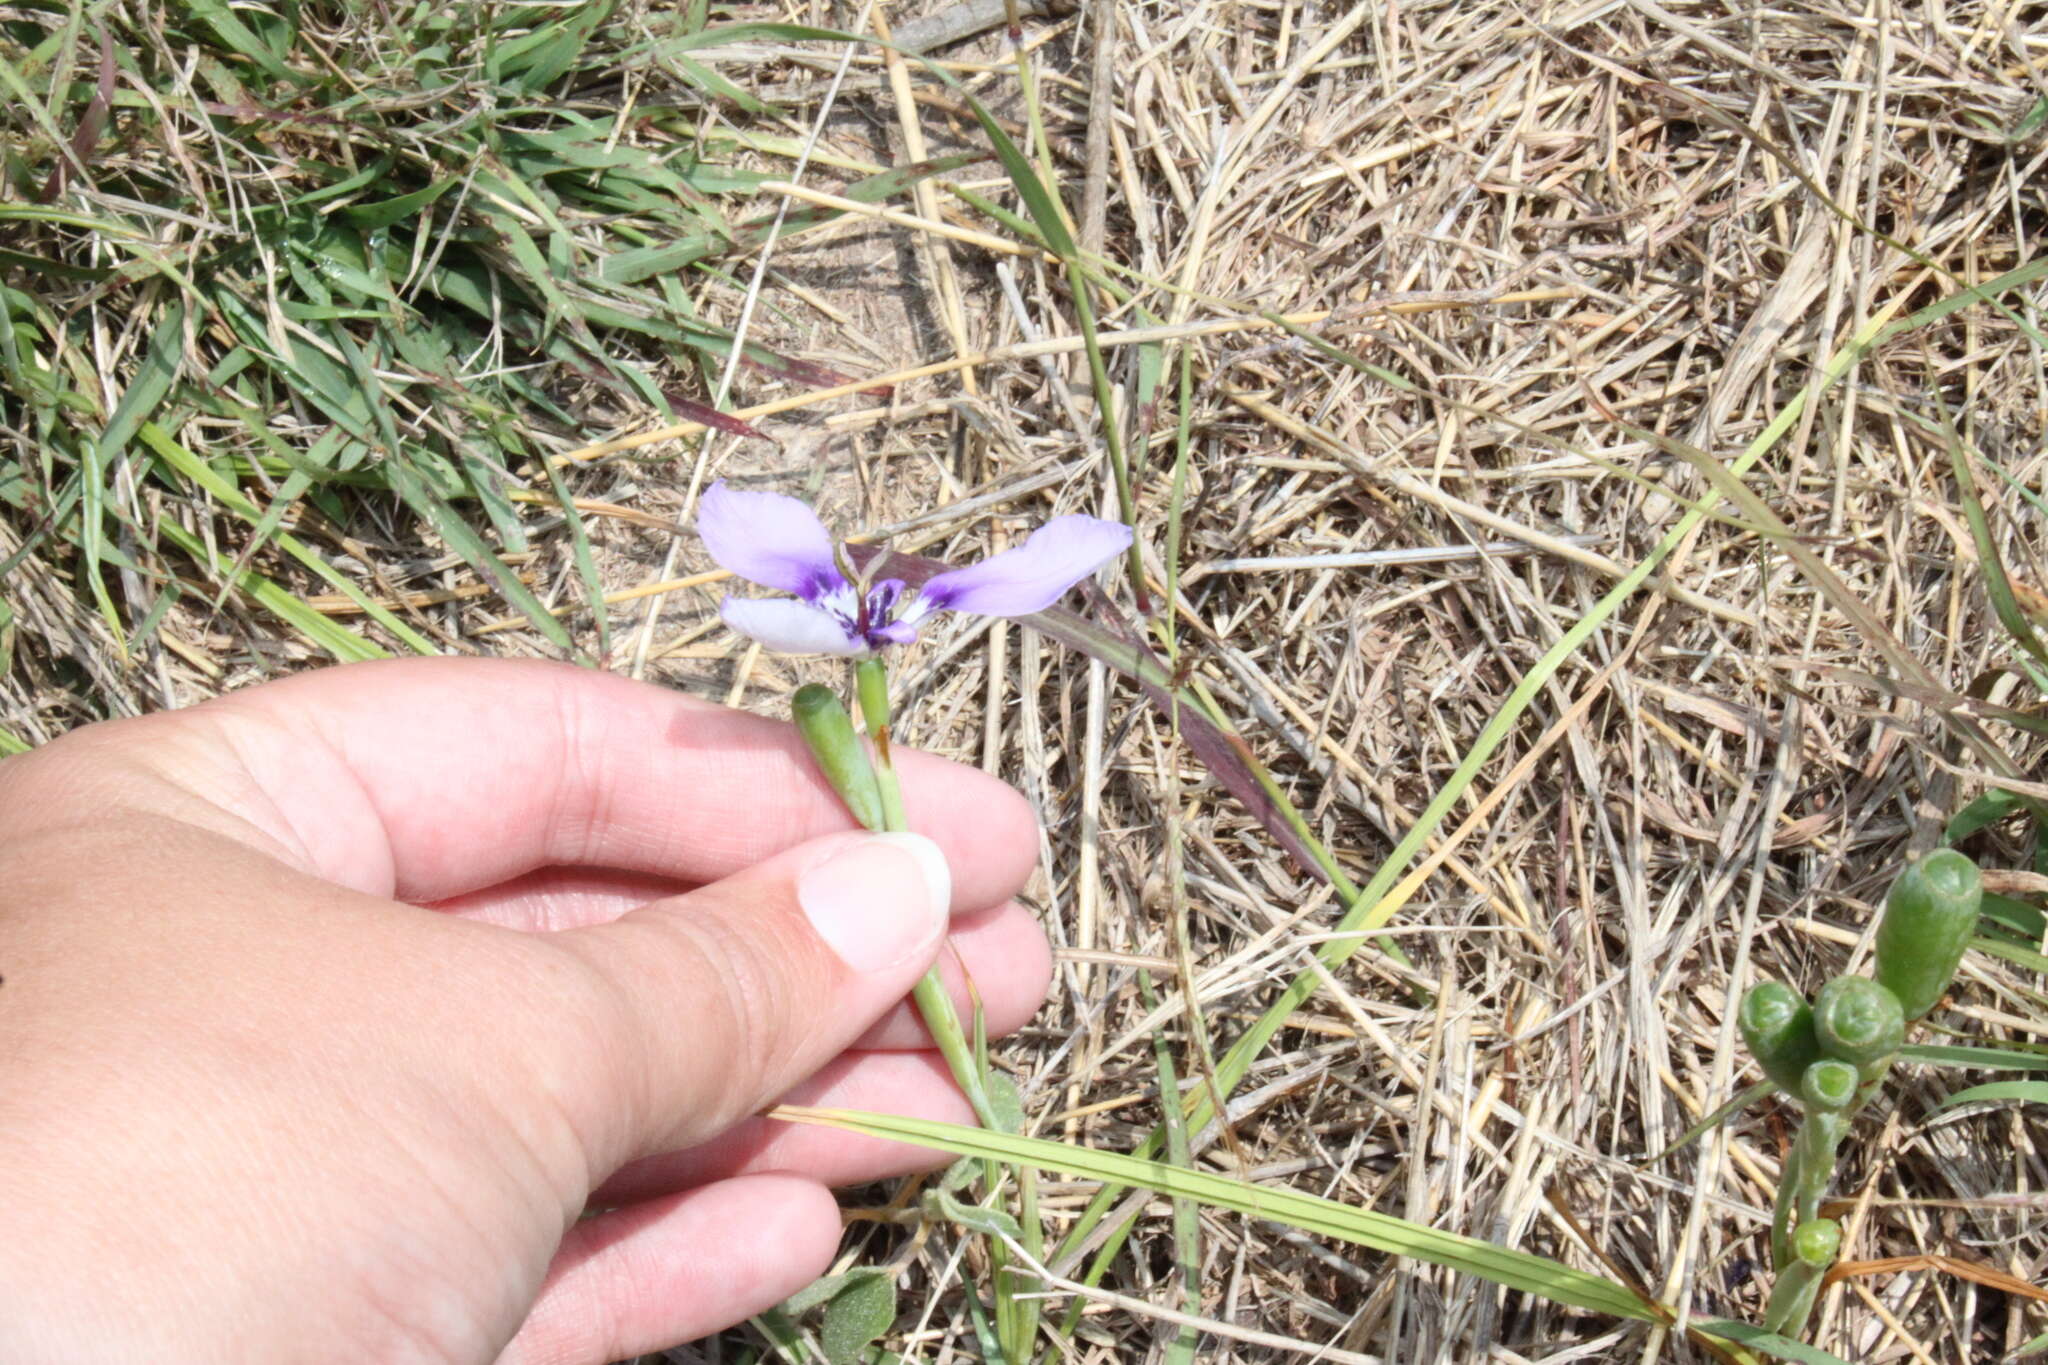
<point>779,542</point>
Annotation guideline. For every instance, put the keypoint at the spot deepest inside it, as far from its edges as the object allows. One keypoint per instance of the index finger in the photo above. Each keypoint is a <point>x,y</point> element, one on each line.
<point>429,778</point>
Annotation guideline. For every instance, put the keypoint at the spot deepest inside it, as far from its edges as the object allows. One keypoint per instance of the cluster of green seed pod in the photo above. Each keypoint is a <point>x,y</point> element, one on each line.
<point>1832,1054</point>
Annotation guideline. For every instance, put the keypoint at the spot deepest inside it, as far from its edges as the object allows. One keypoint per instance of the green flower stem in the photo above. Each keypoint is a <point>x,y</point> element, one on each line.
<point>1016,1314</point>
<point>871,688</point>
<point>1819,1135</point>
<point>1781,1210</point>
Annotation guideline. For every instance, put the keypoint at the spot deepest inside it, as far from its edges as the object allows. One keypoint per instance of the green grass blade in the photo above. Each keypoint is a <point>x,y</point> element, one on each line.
<point>463,539</point>
<point>586,562</point>
<point>144,394</point>
<point>2026,1092</point>
<point>237,37</point>
<point>1990,565</point>
<point>345,645</point>
<point>1976,1058</point>
<point>189,466</point>
<point>1770,1343</point>
<point>1310,1213</point>
<point>1742,1101</point>
<point>1187,1224</point>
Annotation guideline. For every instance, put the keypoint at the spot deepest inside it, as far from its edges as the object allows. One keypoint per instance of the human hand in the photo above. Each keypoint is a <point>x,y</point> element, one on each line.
<point>257,1104</point>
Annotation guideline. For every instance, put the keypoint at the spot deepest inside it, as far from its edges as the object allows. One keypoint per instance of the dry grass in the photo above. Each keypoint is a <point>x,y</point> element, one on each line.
<point>1532,214</point>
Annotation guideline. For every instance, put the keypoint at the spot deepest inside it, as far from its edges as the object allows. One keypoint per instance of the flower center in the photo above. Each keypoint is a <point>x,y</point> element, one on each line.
<point>888,615</point>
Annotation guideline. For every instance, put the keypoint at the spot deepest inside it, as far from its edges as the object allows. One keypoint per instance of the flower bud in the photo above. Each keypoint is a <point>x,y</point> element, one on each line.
<point>1830,1084</point>
<point>1777,1026</point>
<point>1929,919</point>
<point>822,720</point>
<point>1859,1022</point>
<point>1817,1242</point>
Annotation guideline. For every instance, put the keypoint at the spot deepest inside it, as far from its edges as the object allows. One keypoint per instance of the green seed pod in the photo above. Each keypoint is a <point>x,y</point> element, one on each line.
<point>1858,1021</point>
<point>1817,1243</point>
<point>1929,918</point>
<point>822,720</point>
<point>1830,1084</point>
<point>1777,1026</point>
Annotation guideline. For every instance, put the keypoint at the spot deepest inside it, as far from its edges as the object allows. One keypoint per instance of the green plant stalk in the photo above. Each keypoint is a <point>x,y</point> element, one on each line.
<point>1183,449</point>
<point>1027,1306</point>
<point>1187,1225</point>
<point>966,1061</point>
<point>1781,1208</point>
<point>1809,1170</point>
<point>1820,1134</point>
<point>871,687</point>
<point>1791,1301</point>
<point>1832,1095</point>
<point>1112,436</point>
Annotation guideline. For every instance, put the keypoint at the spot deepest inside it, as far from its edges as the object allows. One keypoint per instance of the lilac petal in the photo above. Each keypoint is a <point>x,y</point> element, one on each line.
<point>768,539</point>
<point>788,626</point>
<point>895,633</point>
<point>1034,575</point>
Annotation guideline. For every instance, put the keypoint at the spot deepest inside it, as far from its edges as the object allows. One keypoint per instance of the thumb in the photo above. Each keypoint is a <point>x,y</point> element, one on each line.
<point>731,994</point>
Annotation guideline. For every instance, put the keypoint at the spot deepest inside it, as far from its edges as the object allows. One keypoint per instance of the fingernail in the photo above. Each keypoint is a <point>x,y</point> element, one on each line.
<point>879,901</point>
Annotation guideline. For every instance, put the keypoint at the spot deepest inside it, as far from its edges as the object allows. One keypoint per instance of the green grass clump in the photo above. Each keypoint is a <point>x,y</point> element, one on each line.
<point>262,262</point>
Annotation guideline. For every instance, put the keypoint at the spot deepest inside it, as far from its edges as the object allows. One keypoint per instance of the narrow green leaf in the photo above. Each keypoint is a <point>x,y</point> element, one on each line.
<point>1770,1343</point>
<point>719,88</point>
<point>542,57</point>
<point>1310,1213</point>
<point>190,466</point>
<point>586,561</point>
<point>2030,123</point>
<point>1986,810</point>
<point>145,393</point>
<point>238,38</point>
<point>487,483</point>
<point>1990,565</point>
<point>2018,953</point>
<point>2015,916</point>
<point>2026,1092</point>
<point>463,539</point>
<point>386,212</point>
<point>662,258</point>
<point>321,632</point>
<point>1720,1116</point>
<point>1978,1058</point>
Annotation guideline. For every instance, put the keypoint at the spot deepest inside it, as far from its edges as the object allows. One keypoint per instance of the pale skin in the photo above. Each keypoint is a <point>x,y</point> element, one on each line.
<point>328,1009</point>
